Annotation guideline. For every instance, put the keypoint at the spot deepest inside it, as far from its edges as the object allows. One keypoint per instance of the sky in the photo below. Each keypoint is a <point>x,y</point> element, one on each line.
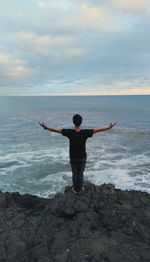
<point>72,47</point>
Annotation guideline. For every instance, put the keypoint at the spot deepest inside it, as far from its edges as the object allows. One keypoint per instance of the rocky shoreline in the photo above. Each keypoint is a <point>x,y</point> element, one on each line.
<point>101,224</point>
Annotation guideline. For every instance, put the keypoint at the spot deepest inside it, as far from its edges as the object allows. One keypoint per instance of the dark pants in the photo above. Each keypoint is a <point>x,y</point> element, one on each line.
<point>78,166</point>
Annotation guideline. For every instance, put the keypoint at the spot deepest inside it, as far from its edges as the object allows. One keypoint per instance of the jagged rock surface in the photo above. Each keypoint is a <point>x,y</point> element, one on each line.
<point>100,224</point>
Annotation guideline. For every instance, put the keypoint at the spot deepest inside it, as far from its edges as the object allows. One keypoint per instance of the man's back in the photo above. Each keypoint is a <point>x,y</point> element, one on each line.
<point>77,141</point>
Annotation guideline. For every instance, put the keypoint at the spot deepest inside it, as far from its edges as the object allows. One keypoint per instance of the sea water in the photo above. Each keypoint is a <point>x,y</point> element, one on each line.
<point>36,161</point>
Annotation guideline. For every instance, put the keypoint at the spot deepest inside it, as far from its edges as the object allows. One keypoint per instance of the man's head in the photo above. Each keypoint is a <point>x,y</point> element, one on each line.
<point>77,120</point>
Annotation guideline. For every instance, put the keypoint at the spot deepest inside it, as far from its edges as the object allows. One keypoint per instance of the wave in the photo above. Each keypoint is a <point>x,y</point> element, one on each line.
<point>9,164</point>
<point>47,171</point>
<point>132,131</point>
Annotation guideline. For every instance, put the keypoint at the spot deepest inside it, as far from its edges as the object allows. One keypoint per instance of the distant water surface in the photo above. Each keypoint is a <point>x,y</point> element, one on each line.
<point>36,161</point>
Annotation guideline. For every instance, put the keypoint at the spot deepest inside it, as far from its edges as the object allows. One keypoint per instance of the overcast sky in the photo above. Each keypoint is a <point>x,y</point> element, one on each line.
<point>93,47</point>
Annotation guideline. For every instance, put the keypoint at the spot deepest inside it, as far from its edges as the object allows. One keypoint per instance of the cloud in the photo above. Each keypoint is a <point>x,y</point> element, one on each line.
<point>56,47</point>
<point>41,4</point>
<point>80,15</point>
<point>121,88</point>
<point>91,14</point>
<point>97,15</point>
<point>86,45</point>
<point>12,68</point>
<point>134,6</point>
<point>30,38</point>
<point>51,5</point>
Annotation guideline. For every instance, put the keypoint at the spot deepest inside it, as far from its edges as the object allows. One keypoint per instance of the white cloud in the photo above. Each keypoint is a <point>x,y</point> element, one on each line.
<point>63,48</point>
<point>41,4</point>
<point>43,40</point>
<point>74,40</point>
<point>4,58</point>
<point>121,88</point>
<point>134,6</point>
<point>13,67</point>
<point>81,15</point>
<point>91,14</point>
<point>51,5</point>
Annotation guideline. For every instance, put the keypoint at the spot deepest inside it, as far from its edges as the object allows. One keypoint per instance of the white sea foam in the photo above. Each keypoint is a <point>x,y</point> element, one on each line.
<point>29,157</point>
<point>115,176</point>
<point>124,170</point>
<point>47,186</point>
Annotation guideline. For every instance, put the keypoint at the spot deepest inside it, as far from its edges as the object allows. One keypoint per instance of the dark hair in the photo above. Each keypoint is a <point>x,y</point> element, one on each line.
<point>77,120</point>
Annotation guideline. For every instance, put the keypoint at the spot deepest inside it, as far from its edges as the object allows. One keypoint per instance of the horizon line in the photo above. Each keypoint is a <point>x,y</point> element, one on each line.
<point>52,95</point>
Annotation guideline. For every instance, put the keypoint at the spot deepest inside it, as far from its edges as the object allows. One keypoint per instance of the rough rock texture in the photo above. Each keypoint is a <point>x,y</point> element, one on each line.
<point>100,224</point>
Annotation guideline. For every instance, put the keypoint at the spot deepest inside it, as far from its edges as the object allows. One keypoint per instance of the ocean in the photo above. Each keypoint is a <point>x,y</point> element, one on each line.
<point>36,161</point>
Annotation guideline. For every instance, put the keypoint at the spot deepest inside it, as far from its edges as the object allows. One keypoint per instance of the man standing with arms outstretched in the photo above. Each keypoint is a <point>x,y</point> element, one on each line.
<point>77,149</point>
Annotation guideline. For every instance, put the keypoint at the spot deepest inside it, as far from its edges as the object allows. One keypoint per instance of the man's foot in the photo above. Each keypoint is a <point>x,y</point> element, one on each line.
<point>82,190</point>
<point>75,192</point>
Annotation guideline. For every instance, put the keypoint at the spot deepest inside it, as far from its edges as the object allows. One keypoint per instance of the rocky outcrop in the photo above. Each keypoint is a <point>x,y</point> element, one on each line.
<point>100,224</point>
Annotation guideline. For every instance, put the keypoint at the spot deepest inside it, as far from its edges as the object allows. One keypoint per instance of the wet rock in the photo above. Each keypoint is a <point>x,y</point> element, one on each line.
<point>99,224</point>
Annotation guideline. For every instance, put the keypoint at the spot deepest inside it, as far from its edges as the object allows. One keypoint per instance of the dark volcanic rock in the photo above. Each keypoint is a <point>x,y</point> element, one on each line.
<point>100,224</point>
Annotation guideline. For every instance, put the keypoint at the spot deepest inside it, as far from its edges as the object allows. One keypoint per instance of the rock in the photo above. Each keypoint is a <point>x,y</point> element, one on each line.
<point>100,224</point>
<point>62,257</point>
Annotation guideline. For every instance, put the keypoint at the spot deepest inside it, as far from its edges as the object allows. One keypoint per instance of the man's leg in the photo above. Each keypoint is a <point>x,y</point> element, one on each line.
<point>80,170</point>
<point>73,164</point>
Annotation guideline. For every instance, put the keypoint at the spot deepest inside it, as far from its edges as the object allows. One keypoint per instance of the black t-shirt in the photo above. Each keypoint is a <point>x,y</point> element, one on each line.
<point>77,141</point>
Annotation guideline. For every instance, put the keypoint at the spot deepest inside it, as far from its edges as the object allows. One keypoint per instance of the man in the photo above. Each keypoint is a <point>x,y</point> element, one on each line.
<point>77,150</point>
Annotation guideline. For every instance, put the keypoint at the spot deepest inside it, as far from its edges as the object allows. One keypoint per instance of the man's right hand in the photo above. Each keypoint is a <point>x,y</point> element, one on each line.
<point>43,125</point>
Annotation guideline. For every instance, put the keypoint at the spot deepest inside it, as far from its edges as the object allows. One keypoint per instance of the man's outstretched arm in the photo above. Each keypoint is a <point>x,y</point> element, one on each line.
<point>56,130</point>
<point>101,129</point>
